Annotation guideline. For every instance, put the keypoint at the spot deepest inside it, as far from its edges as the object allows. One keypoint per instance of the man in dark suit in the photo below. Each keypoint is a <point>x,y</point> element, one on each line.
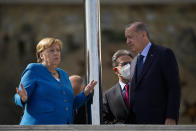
<point>155,86</point>
<point>115,100</point>
<point>80,116</point>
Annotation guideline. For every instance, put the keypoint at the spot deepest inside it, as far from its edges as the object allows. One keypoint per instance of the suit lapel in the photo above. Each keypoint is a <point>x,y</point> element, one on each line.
<point>147,63</point>
<point>133,73</point>
<point>133,67</point>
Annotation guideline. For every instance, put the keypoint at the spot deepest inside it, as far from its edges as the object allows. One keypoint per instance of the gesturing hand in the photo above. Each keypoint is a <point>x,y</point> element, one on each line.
<point>22,93</point>
<point>90,87</point>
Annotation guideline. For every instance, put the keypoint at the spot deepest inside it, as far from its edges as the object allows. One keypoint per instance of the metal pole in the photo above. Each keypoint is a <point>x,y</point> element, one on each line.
<point>93,54</point>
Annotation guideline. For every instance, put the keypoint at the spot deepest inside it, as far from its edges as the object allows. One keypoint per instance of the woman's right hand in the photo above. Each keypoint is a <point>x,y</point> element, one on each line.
<point>22,93</point>
<point>89,87</point>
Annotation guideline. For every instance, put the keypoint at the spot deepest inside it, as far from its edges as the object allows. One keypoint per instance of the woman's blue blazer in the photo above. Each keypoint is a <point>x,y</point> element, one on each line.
<point>49,101</point>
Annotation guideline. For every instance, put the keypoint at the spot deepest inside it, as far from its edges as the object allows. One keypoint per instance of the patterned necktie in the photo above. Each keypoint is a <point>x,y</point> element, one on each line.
<point>139,65</point>
<point>127,95</point>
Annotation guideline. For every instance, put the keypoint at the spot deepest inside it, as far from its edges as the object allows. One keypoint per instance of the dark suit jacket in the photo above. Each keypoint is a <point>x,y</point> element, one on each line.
<point>155,96</point>
<point>114,108</point>
<point>83,114</point>
<point>80,116</point>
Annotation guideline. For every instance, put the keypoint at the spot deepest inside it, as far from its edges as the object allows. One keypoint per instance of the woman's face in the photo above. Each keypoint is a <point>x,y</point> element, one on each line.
<point>51,56</point>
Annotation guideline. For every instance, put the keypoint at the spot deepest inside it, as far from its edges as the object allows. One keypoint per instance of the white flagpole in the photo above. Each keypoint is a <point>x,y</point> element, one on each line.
<point>93,54</point>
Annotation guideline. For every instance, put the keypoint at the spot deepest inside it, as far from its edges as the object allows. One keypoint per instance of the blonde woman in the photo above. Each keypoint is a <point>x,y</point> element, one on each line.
<point>45,90</point>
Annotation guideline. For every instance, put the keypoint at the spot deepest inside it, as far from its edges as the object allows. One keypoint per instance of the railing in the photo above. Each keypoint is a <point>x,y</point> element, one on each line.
<point>98,128</point>
<point>102,1</point>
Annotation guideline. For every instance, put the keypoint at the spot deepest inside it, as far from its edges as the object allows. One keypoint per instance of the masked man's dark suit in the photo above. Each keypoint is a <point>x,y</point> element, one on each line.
<point>115,111</point>
<point>155,95</point>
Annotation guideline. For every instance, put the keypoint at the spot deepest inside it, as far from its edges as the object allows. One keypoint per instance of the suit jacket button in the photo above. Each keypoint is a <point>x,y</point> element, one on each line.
<point>65,100</point>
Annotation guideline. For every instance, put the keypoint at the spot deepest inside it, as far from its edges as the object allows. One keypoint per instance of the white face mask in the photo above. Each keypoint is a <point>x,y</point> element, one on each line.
<point>125,71</point>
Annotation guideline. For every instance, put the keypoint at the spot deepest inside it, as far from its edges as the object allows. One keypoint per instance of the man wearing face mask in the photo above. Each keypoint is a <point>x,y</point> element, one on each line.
<point>116,100</point>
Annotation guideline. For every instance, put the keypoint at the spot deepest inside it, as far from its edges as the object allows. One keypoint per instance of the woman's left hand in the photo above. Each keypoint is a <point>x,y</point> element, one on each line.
<point>90,87</point>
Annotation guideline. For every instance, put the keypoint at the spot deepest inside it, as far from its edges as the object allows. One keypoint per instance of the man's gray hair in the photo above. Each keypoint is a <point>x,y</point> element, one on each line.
<point>139,26</point>
<point>119,53</point>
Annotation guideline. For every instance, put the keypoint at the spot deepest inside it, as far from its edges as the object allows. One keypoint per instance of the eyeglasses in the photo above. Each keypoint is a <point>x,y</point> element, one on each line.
<point>124,63</point>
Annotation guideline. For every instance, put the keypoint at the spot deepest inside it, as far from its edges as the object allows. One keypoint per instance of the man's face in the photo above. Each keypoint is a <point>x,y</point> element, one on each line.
<point>76,85</point>
<point>134,40</point>
<point>122,60</point>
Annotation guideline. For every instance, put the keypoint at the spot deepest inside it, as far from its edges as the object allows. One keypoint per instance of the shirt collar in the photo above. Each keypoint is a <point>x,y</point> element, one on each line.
<point>122,85</point>
<point>146,49</point>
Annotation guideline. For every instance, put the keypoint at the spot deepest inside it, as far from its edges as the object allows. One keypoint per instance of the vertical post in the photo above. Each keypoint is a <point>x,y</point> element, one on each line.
<point>93,54</point>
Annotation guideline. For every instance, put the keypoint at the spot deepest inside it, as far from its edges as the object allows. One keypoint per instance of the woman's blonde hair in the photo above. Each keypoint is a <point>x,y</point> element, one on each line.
<point>44,44</point>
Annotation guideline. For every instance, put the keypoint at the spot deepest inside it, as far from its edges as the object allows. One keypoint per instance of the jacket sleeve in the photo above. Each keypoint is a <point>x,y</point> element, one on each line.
<point>171,76</point>
<point>28,81</point>
<point>108,117</point>
<point>80,99</point>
